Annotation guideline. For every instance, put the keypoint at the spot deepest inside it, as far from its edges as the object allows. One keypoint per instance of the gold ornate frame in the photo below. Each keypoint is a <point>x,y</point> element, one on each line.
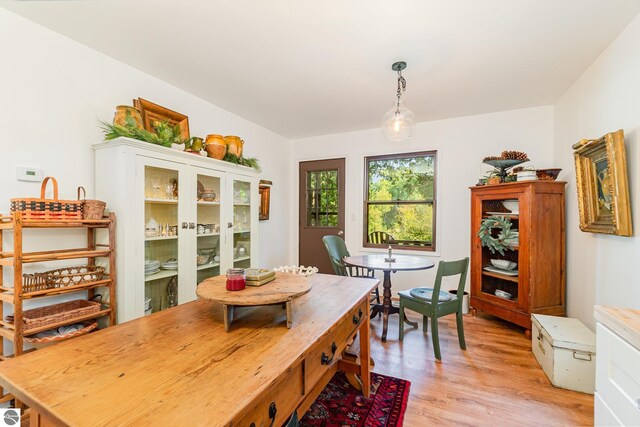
<point>265,199</point>
<point>603,189</point>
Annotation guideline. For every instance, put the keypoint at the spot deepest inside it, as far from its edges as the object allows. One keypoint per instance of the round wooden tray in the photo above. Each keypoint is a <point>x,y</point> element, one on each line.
<point>283,289</point>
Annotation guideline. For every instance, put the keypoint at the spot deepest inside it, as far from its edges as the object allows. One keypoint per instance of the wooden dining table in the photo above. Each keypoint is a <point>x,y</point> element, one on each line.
<point>378,262</point>
<point>180,367</point>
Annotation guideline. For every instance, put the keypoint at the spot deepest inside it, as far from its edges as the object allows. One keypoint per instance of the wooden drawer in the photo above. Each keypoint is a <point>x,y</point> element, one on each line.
<point>618,375</point>
<point>284,396</point>
<point>315,366</point>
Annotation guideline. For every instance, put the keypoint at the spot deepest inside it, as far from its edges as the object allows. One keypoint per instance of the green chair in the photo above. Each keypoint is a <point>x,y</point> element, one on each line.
<point>337,250</point>
<point>434,303</point>
<point>380,238</point>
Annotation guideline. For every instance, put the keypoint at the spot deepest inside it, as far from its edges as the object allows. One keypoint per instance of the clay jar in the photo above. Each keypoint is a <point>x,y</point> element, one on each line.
<point>234,145</point>
<point>215,146</point>
<point>123,111</point>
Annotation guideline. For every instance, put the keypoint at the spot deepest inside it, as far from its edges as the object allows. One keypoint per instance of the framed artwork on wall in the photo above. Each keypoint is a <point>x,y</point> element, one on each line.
<point>603,188</point>
<point>265,199</point>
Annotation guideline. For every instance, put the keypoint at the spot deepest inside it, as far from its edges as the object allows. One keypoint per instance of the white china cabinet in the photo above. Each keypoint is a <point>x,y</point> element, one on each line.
<point>181,219</point>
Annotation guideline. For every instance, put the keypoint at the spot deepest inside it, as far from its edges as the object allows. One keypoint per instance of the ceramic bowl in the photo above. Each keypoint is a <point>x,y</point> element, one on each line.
<point>502,294</point>
<point>147,304</point>
<point>504,264</point>
<point>512,205</point>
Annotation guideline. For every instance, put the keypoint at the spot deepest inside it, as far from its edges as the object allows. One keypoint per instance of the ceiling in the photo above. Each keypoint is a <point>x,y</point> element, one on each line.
<point>304,68</point>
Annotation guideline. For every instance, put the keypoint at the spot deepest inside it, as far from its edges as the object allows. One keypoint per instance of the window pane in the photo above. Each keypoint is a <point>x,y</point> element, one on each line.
<point>407,224</point>
<point>322,198</point>
<point>409,178</point>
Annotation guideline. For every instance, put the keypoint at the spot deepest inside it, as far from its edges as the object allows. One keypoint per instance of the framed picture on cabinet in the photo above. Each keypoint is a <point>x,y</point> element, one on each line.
<point>152,113</point>
<point>603,189</point>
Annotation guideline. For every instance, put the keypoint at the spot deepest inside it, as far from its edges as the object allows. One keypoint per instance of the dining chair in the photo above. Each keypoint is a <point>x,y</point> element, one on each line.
<point>380,237</point>
<point>434,303</point>
<point>337,250</point>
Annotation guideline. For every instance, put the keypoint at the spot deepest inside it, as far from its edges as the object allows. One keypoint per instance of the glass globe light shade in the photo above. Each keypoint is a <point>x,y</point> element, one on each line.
<point>398,124</point>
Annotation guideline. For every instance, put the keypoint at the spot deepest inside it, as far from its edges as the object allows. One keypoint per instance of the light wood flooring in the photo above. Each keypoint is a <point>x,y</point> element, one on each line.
<point>496,381</point>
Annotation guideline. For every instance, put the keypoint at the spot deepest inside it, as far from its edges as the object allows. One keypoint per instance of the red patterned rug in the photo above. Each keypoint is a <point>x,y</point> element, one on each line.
<point>341,405</point>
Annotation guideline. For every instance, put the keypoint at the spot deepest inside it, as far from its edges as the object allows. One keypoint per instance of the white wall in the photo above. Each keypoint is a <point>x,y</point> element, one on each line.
<point>54,90</point>
<point>602,269</point>
<point>461,144</point>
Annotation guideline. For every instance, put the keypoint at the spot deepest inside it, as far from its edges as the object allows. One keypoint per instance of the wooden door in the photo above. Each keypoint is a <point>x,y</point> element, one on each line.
<point>321,207</point>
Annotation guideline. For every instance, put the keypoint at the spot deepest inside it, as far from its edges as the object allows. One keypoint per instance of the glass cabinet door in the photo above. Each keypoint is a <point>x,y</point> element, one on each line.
<point>242,223</point>
<point>209,250</point>
<point>161,235</point>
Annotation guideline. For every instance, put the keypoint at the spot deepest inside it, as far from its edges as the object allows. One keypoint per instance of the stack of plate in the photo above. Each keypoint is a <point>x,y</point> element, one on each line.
<point>171,264</point>
<point>151,266</point>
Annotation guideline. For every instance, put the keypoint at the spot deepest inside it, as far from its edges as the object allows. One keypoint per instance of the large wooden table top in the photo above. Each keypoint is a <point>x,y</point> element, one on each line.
<point>177,366</point>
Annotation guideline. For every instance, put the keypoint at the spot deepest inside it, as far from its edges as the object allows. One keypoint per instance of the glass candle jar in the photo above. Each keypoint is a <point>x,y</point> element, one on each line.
<point>235,279</point>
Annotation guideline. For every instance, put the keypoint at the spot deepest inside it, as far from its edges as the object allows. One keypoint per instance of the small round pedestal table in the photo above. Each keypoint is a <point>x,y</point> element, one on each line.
<point>377,262</point>
<point>285,288</point>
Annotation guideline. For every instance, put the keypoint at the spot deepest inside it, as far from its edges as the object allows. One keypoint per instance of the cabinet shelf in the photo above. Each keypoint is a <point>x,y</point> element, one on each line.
<point>209,265</point>
<point>202,202</point>
<point>152,239</point>
<point>242,258</point>
<point>162,274</point>
<point>208,235</point>
<point>500,276</point>
<point>7,222</point>
<point>161,201</point>
<point>61,291</point>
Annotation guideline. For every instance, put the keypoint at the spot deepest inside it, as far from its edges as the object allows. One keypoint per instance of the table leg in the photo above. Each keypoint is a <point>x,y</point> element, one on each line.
<point>386,304</point>
<point>228,316</point>
<point>365,362</point>
<point>289,315</point>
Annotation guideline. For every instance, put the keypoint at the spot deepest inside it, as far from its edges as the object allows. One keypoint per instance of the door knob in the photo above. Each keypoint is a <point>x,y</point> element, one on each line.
<point>340,233</point>
<point>229,225</point>
<point>185,225</point>
<point>192,225</point>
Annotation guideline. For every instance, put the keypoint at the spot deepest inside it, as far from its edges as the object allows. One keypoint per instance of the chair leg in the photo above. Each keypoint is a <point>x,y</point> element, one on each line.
<point>425,325</point>
<point>463,345</point>
<point>377,296</point>
<point>434,337</point>
<point>401,320</point>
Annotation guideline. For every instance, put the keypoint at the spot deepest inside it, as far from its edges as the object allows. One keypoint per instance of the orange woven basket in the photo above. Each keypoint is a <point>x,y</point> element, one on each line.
<point>52,314</point>
<point>48,209</point>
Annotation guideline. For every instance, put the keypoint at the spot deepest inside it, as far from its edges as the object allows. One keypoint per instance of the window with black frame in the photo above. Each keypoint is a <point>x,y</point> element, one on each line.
<point>400,202</point>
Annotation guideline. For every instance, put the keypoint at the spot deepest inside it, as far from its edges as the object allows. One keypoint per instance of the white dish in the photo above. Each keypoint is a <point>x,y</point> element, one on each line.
<point>504,264</point>
<point>150,272</point>
<point>148,311</point>
<point>147,304</point>
<point>502,294</point>
<point>512,205</point>
<point>501,271</point>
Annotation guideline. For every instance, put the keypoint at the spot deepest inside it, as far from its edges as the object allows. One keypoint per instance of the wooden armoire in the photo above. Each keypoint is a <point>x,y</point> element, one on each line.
<point>537,283</point>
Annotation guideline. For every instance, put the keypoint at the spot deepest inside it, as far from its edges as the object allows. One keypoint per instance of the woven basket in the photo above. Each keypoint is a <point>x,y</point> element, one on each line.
<point>48,209</point>
<point>61,278</point>
<point>52,314</point>
<point>47,341</point>
<point>91,209</point>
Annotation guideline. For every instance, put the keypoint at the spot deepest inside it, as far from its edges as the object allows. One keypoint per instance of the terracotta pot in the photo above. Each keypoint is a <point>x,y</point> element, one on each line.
<point>215,146</point>
<point>123,111</point>
<point>234,145</point>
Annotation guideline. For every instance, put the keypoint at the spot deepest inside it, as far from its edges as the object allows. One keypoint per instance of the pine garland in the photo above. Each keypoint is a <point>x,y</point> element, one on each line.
<point>251,162</point>
<point>500,243</point>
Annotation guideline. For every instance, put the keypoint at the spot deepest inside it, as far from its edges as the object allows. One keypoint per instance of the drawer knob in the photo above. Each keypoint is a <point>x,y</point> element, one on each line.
<point>356,319</point>
<point>273,410</point>
<point>324,359</point>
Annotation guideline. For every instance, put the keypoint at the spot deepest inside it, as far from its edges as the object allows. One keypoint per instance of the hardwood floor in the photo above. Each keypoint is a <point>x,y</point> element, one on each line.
<point>496,381</point>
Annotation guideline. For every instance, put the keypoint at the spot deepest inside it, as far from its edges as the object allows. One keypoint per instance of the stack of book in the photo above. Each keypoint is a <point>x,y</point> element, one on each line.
<point>259,276</point>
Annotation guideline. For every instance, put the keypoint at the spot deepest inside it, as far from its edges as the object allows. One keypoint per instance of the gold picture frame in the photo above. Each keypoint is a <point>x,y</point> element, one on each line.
<point>265,199</point>
<point>603,188</point>
<point>152,113</point>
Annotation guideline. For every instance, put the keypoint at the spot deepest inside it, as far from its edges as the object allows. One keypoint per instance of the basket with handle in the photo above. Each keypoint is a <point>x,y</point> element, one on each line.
<point>48,209</point>
<point>91,209</point>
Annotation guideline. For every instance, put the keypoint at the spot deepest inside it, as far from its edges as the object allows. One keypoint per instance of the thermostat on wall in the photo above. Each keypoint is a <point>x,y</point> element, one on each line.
<point>29,174</point>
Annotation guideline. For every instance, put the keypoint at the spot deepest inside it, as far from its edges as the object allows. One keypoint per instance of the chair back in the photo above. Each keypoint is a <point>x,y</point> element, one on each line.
<point>337,250</point>
<point>450,268</point>
<point>380,237</point>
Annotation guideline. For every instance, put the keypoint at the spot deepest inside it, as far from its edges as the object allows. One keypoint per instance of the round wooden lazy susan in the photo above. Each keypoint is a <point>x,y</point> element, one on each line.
<point>284,289</point>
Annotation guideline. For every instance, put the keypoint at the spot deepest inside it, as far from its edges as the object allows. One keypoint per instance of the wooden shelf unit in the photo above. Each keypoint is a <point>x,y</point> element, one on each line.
<point>15,296</point>
<point>540,253</point>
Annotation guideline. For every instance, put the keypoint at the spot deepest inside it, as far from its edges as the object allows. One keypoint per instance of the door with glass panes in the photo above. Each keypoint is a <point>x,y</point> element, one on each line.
<point>243,193</point>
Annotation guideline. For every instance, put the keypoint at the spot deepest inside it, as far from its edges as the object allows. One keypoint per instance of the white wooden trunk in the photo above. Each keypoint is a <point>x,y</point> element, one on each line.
<point>565,349</point>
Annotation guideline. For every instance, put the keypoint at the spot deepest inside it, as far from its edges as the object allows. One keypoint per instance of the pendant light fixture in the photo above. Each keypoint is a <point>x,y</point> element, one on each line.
<point>399,122</point>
